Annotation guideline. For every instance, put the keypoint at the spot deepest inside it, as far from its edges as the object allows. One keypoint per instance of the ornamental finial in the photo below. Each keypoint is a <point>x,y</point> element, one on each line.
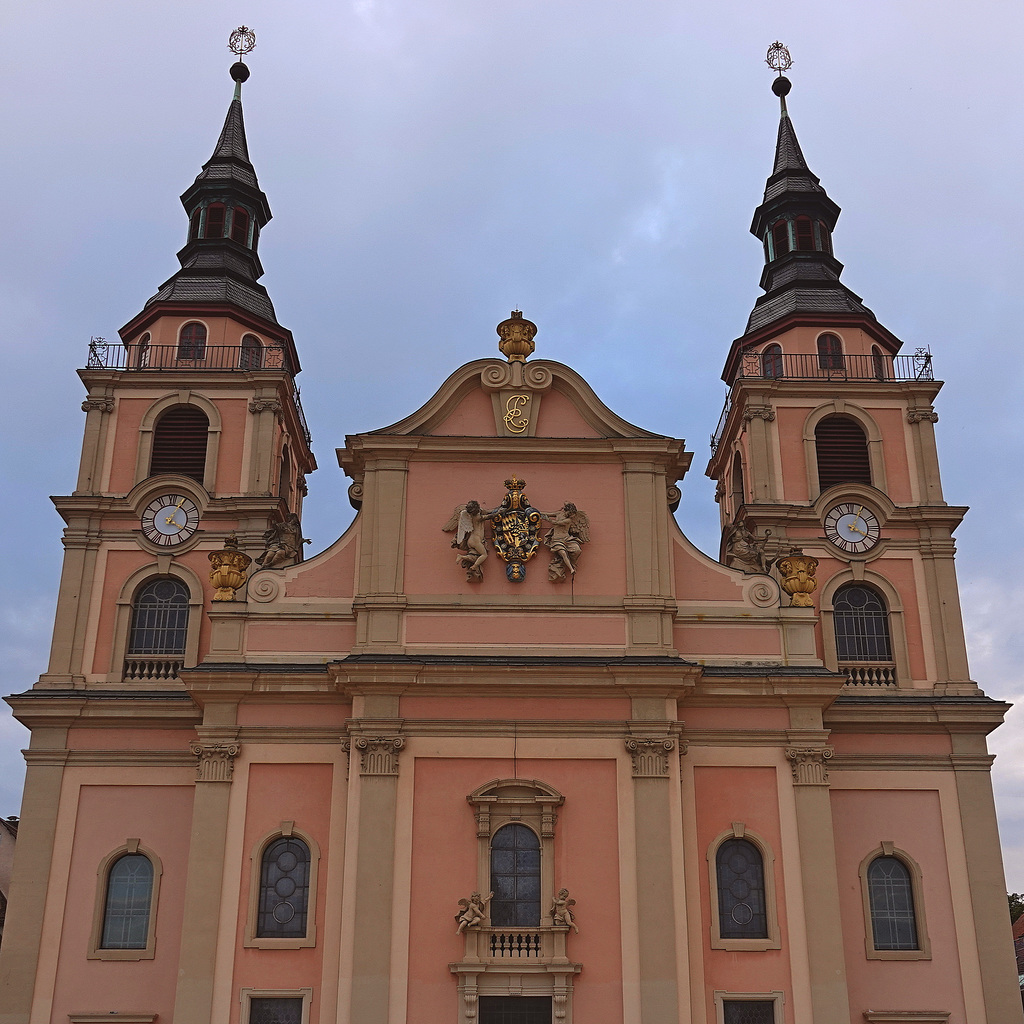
<point>517,337</point>
<point>241,42</point>
<point>779,60</point>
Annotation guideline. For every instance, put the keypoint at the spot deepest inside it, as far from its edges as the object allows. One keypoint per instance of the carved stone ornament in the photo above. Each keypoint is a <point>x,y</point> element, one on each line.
<point>378,755</point>
<point>228,572</point>
<point>468,522</point>
<point>98,405</point>
<point>798,580</point>
<point>514,524</point>
<point>562,915</point>
<point>570,530</point>
<point>282,544</point>
<point>517,336</point>
<point>928,415</point>
<point>758,412</point>
<point>264,405</point>
<point>650,756</point>
<point>216,761</point>
<point>473,912</point>
<point>743,550</point>
<point>809,765</point>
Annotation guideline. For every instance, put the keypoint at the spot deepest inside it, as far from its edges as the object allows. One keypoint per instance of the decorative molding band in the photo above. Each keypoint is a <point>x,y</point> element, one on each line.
<point>758,412</point>
<point>216,761</point>
<point>650,756</point>
<point>809,765</point>
<point>912,762</point>
<point>120,1016</point>
<point>264,405</point>
<point>928,415</point>
<point>907,1016</point>
<point>98,405</point>
<point>378,755</point>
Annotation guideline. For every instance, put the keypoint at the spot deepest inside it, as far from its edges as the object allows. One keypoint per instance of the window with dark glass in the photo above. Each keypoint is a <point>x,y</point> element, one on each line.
<point>251,355</point>
<point>780,238</point>
<point>841,449</point>
<point>742,912</point>
<point>179,442</point>
<point>804,234</point>
<point>192,341</point>
<point>736,489</point>
<point>285,483</point>
<point>240,225</point>
<point>830,352</point>
<point>891,902</point>
<point>515,1009</point>
<point>159,618</point>
<point>214,221</point>
<point>284,890</point>
<point>825,237</point>
<point>771,361</point>
<point>275,1010</point>
<point>515,877</point>
<point>193,224</point>
<point>126,909</point>
<point>877,363</point>
<point>142,351</point>
<point>748,1011</point>
<point>861,622</point>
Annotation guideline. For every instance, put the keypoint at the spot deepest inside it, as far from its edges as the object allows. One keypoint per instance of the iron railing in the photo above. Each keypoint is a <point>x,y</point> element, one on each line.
<point>190,358</point>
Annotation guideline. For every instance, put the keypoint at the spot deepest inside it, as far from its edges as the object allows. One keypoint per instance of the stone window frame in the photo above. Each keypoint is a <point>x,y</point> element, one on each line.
<point>246,995</point>
<point>96,951</point>
<point>722,997</point>
<point>251,940</point>
<point>876,454</point>
<point>887,848</point>
<point>739,830</point>
<point>148,425</point>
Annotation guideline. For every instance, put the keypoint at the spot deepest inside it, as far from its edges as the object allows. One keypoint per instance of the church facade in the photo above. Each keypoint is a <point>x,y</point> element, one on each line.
<point>511,750</point>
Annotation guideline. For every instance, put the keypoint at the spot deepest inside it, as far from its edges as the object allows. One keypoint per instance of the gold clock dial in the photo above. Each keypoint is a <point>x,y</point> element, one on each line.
<point>170,519</point>
<point>852,527</point>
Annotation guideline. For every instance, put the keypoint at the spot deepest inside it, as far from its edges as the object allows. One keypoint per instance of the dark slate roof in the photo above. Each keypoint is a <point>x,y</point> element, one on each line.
<point>836,299</point>
<point>230,160</point>
<point>252,298</point>
<point>788,155</point>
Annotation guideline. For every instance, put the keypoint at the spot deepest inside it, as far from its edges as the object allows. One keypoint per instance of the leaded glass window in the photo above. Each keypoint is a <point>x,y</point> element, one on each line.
<point>861,622</point>
<point>275,1010</point>
<point>515,1010</point>
<point>284,890</point>
<point>771,361</point>
<point>515,877</point>
<point>748,1011</point>
<point>250,357</point>
<point>891,901</point>
<point>159,618</point>
<point>830,352</point>
<point>192,340</point>
<point>742,911</point>
<point>127,906</point>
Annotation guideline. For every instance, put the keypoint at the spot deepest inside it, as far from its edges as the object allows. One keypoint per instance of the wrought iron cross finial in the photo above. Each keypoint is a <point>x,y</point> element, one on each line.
<point>242,41</point>
<point>779,58</point>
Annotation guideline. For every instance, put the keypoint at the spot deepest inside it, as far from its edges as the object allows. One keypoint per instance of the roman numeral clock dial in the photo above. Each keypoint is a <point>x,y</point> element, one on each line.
<point>852,527</point>
<point>170,519</point>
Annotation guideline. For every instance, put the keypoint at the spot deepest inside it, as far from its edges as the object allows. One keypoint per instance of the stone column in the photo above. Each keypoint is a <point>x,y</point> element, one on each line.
<point>99,408</point>
<point>659,982</point>
<point>827,966</point>
<point>266,408</point>
<point>216,751</point>
<point>761,483</point>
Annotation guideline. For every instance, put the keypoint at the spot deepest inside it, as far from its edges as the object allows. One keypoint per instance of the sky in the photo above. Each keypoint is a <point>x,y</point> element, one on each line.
<point>433,164</point>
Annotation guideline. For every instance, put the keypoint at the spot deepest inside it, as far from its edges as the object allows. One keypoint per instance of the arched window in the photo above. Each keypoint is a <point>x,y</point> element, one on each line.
<point>771,361</point>
<point>515,877</point>
<point>830,352</point>
<point>142,351</point>
<point>804,234</point>
<point>179,442</point>
<point>736,491</point>
<point>193,224</point>
<point>824,237</point>
<point>127,906</point>
<point>285,483</point>
<point>159,618</point>
<point>240,225</point>
<point>284,890</point>
<point>214,221</point>
<point>891,905</point>
<point>780,238</point>
<point>742,909</point>
<point>192,341</point>
<point>861,621</point>
<point>841,448</point>
<point>877,363</point>
<point>251,355</point>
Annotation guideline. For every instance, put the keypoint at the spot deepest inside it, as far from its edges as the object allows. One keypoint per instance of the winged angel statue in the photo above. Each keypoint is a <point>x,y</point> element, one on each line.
<point>570,530</point>
<point>467,522</point>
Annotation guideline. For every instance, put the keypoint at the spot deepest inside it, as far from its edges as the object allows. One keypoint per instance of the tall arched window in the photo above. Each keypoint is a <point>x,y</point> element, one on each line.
<point>824,237</point>
<point>159,618</point>
<point>192,341</point>
<point>861,621</point>
<point>771,361</point>
<point>877,363</point>
<point>214,221</point>
<point>240,225</point>
<point>736,491</point>
<point>804,234</point>
<point>142,351</point>
<point>193,224</point>
<point>830,352</point>
<point>179,442</point>
<point>515,877</point>
<point>284,890</point>
<point>251,355</point>
<point>780,238</point>
<point>891,905</point>
<point>285,483</point>
<point>841,448</point>
<point>127,906</point>
<point>742,909</point>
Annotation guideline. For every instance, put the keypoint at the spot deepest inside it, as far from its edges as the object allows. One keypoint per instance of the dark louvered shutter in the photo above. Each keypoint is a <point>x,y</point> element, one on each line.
<point>842,452</point>
<point>179,442</point>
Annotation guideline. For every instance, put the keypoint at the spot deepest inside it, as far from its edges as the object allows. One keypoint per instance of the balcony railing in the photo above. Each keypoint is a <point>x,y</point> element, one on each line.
<point>151,669</point>
<point>869,675</point>
<point>190,358</point>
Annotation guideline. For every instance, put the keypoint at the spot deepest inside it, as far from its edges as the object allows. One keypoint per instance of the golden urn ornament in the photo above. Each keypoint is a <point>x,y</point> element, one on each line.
<point>517,337</point>
<point>228,572</point>
<point>797,572</point>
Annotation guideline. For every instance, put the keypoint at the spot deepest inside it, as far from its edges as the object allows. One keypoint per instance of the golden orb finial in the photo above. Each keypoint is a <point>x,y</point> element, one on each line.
<point>517,337</point>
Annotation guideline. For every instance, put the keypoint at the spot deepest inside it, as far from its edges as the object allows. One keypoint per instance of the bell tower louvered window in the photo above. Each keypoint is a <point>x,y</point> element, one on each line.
<point>842,452</point>
<point>179,442</point>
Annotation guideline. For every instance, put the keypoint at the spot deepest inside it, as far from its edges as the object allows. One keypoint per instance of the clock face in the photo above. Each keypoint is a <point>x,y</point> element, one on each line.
<point>170,519</point>
<point>852,527</point>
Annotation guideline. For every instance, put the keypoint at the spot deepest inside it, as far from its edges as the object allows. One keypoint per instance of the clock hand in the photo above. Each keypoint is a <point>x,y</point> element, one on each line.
<point>182,502</point>
<point>850,526</point>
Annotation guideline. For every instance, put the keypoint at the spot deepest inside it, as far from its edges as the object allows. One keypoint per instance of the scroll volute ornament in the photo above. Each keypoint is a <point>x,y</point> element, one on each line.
<point>228,574</point>
<point>798,580</point>
<point>517,337</point>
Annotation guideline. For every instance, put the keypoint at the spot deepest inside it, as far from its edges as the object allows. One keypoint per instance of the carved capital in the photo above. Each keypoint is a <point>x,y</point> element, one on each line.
<point>809,765</point>
<point>927,415</point>
<point>650,756</point>
<point>98,405</point>
<point>216,761</point>
<point>264,405</point>
<point>758,412</point>
<point>378,755</point>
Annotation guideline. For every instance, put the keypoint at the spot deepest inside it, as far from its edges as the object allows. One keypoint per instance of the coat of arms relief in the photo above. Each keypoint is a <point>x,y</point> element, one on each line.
<point>515,532</point>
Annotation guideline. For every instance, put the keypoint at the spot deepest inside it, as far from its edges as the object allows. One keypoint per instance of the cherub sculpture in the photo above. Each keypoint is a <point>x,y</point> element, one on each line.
<point>561,912</point>
<point>473,911</point>
<point>468,522</point>
<point>282,544</point>
<point>743,550</point>
<point>570,530</point>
